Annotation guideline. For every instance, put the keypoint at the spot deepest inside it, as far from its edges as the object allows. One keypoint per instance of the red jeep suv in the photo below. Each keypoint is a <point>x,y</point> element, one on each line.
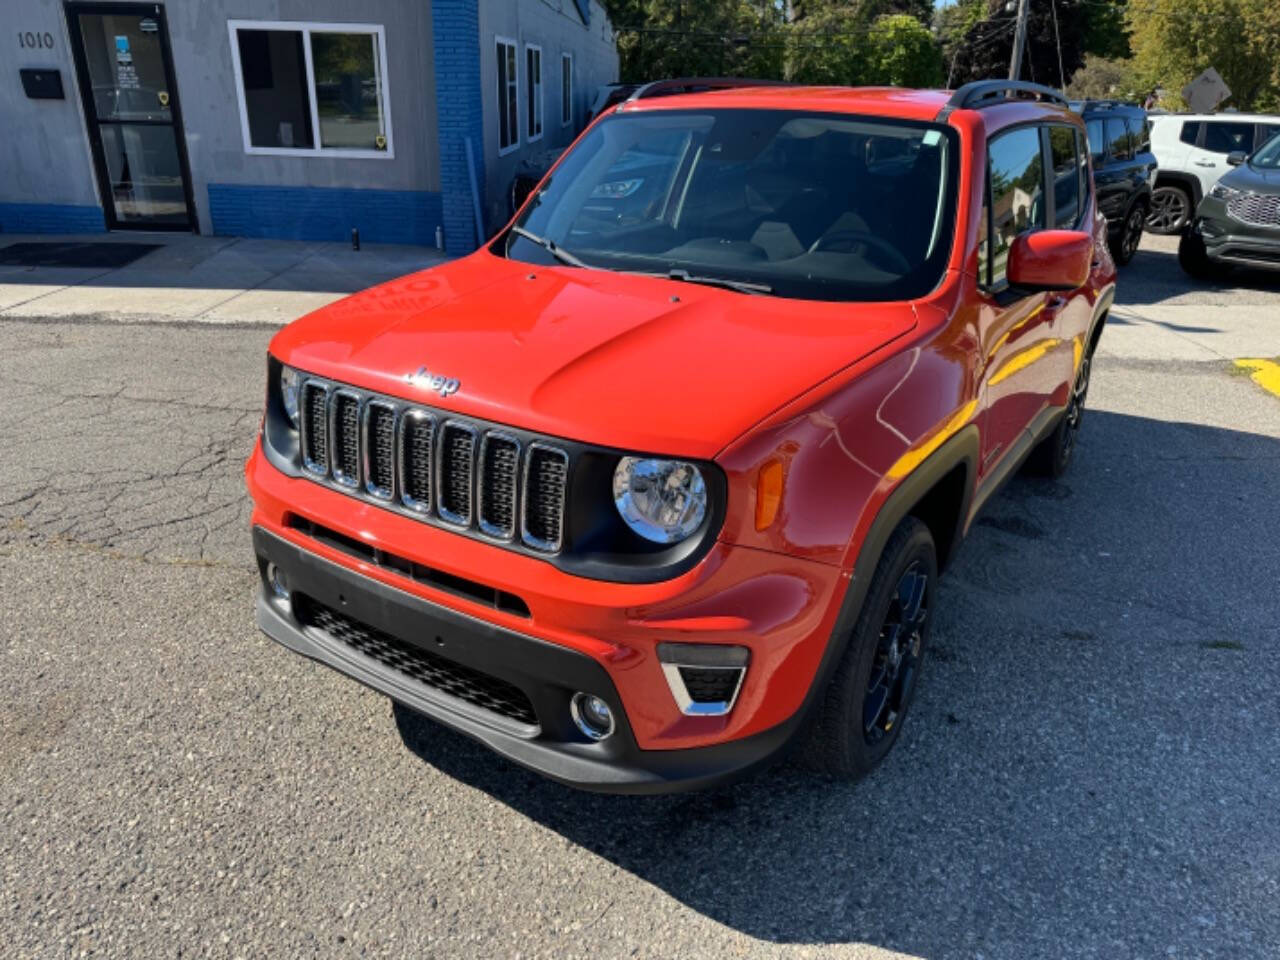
<point>661,480</point>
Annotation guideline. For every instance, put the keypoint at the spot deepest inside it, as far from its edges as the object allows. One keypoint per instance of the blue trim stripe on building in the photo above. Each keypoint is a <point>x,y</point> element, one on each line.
<point>455,26</point>
<point>51,218</point>
<point>324,213</point>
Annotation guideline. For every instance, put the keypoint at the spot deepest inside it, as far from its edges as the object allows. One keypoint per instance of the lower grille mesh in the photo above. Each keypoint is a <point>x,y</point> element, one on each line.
<point>710,685</point>
<point>472,686</point>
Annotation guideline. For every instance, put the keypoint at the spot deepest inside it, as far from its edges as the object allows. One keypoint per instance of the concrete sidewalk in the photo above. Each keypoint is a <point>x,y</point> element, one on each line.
<point>224,280</point>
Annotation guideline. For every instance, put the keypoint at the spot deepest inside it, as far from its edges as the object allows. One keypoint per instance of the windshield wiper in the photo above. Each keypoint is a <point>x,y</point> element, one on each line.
<point>561,254</point>
<point>742,286</point>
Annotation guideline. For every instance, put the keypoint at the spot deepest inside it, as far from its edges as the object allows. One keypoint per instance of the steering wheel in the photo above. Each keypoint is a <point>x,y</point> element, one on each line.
<point>850,238</point>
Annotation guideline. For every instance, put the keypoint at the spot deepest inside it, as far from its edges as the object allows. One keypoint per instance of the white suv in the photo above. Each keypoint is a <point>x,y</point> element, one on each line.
<point>1192,151</point>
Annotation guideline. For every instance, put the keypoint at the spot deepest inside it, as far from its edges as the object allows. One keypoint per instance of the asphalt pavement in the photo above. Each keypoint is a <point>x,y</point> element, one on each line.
<point>1090,770</point>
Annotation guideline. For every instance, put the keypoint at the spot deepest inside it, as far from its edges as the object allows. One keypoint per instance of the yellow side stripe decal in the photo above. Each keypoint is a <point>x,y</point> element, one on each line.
<point>914,457</point>
<point>1266,373</point>
<point>1020,361</point>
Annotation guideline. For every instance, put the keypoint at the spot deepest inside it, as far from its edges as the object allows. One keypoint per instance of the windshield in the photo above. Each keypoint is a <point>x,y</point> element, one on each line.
<point>810,206</point>
<point>1267,156</point>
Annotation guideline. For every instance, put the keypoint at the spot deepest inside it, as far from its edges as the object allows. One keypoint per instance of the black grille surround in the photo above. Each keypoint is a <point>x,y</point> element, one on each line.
<point>462,474</point>
<point>539,495</point>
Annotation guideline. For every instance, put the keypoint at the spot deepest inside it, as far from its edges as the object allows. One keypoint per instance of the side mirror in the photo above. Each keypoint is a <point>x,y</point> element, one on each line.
<point>1237,157</point>
<point>1050,260</point>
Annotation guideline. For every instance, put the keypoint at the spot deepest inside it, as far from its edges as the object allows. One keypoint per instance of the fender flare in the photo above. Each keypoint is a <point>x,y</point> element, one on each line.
<point>963,449</point>
<point>1176,178</point>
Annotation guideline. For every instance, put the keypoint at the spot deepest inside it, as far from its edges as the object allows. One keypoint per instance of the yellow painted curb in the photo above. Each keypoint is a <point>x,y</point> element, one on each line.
<point>1266,373</point>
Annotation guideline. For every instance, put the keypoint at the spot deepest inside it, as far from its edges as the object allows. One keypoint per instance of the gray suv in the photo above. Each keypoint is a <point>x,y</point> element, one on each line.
<point>1238,221</point>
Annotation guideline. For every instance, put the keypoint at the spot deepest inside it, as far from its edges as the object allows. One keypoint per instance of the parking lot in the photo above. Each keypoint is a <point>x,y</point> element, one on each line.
<point>1090,768</point>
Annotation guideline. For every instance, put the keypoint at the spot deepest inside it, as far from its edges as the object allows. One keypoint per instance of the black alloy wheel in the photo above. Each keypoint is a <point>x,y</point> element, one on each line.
<point>864,707</point>
<point>1075,409</point>
<point>1130,236</point>
<point>897,659</point>
<point>1170,210</point>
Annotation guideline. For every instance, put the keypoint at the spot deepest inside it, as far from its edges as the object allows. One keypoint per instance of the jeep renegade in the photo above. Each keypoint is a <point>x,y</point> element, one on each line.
<point>660,481</point>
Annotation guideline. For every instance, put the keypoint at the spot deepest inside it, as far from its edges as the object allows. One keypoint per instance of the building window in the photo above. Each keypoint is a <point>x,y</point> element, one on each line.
<point>566,89</point>
<point>508,97</point>
<point>533,70</point>
<point>311,88</point>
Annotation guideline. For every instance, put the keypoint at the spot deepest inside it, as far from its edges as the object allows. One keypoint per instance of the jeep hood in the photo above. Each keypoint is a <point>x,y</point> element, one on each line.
<point>640,363</point>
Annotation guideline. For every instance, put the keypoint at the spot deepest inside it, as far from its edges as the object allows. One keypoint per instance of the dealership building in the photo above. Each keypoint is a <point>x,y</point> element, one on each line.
<point>300,119</point>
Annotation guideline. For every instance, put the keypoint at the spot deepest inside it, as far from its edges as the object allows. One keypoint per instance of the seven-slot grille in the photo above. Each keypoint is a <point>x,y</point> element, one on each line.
<point>1259,208</point>
<point>465,474</point>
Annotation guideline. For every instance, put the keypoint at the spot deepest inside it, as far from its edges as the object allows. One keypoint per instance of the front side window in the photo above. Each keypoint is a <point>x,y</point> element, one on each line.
<point>566,89</point>
<point>1066,176</point>
<point>1016,168</point>
<point>1267,156</point>
<point>508,97</point>
<point>1228,137</point>
<point>803,205</point>
<point>310,88</point>
<point>533,85</point>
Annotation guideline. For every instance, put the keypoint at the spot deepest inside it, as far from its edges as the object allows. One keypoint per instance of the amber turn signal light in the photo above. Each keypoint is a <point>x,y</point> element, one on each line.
<point>768,494</point>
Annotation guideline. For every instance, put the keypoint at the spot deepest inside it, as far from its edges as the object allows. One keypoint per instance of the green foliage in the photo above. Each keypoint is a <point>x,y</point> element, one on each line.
<point>1174,40</point>
<point>904,53</point>
<point>1101,78</point>
<point>1105,32</point>
<point>866,42</point>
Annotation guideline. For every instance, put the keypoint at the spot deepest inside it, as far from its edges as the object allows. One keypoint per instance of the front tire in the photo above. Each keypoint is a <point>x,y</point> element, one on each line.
<point>861,715</point>
<point>1195,261</point>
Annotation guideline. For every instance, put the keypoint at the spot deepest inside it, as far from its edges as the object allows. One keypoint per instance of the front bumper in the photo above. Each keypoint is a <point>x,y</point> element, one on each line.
<point>1231,241</point>
<point>548,674</point>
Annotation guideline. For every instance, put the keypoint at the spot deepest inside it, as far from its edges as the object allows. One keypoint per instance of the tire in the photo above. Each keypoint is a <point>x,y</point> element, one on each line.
<point>862,712</point>
<point>1170,210</point>
<point>1052,455</point>
<point>1194,261</point>
<point>1126,242</point>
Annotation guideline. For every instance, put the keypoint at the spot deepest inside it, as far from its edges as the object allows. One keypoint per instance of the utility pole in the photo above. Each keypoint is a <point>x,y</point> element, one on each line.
<point>1019,41</point>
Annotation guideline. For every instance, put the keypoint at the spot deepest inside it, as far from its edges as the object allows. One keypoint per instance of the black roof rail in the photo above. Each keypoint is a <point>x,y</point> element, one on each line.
<point>986,93</point>
<point>668,88</point>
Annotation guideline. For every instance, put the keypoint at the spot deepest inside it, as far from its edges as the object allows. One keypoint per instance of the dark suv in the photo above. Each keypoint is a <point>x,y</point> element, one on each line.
<point>1124,169</point>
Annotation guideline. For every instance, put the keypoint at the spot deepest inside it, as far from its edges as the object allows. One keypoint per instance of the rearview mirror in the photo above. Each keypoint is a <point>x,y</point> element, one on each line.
<point>1237,157</point>
<point>1050,260</point>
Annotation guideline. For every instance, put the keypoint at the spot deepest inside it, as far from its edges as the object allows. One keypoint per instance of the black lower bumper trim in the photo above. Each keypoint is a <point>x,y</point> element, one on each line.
<point>547,674</point>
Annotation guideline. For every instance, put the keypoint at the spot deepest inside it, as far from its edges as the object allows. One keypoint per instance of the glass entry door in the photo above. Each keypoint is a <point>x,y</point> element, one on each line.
<point>131,108</point>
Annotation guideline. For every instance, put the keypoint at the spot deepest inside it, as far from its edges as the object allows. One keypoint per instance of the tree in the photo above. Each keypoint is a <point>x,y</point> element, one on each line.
<point>829,45</point>
<point>675,38</point>
<point>1175,40</point>
<point>904,53</point>
<point>1055,45</point>
<point>1101,78</point>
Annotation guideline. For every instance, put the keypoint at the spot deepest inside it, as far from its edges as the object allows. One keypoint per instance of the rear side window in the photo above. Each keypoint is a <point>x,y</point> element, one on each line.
<point>1118,143</point>
<point>1097,141</point>
<point>1190,132</point>
<point>1139,133</point>
<point>1015,166</point>
<point>1066,176</point>
<point>1227,137</point>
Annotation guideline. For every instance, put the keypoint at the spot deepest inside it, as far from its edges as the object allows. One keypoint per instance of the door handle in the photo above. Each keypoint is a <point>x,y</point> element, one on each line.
<point>1055,302</point>
<point>1205,163</point>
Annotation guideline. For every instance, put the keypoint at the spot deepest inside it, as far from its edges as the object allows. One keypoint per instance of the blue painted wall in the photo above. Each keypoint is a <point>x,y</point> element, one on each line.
<point>51,218</point>
<point>325,213</point>
<point>459,106</point>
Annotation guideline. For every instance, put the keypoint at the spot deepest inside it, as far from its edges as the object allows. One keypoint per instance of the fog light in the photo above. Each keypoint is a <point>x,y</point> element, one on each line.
<point>591,715</point>
<point>276,581</point>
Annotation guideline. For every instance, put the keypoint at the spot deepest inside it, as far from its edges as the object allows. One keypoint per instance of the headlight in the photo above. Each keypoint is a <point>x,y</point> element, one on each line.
<point>662,500</point>
<point>1219,192</point>
<point>289,382</point>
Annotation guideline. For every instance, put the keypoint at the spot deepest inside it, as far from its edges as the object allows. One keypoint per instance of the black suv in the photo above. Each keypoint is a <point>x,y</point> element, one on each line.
<point>1124,169</point>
